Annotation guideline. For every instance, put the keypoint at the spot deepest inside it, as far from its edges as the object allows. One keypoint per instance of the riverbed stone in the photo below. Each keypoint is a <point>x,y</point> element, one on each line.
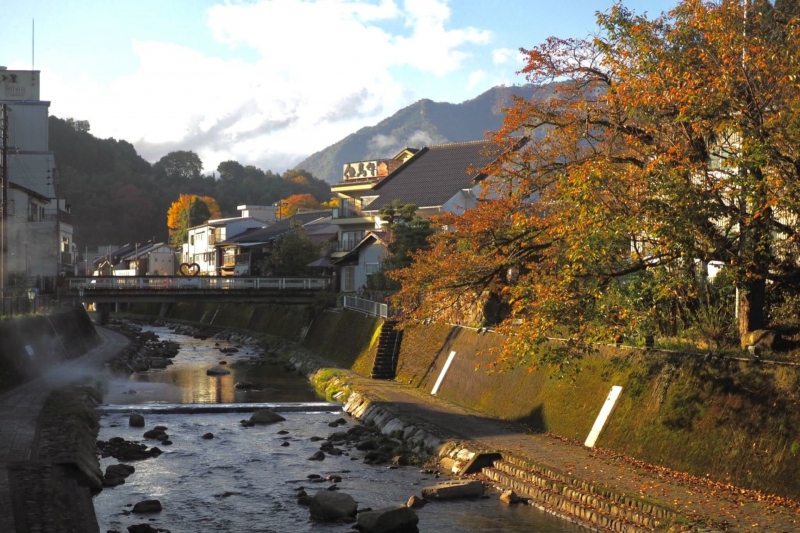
<point>147,506</point>
<point>265,416</point>
<point>509,497</point>
<point>217,371</point>
<point>136,421</point>
<point>142,528</point>
<point>327,505</point>
<point>396,519</point>
<point>448,490</point>
<point>415,502</point>
<point>318,455</point>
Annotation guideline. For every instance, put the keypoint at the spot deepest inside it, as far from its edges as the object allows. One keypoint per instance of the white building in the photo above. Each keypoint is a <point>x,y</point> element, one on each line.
<point>151,259</point>
<point>202,249</point>
<point>39,245</point>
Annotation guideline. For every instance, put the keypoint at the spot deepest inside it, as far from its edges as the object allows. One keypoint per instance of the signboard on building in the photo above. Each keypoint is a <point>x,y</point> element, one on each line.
<point>19,84</point>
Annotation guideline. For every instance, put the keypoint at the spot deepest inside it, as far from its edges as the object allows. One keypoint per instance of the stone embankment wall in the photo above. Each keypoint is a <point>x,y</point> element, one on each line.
<point>31,344</point>
<point>725,419</point>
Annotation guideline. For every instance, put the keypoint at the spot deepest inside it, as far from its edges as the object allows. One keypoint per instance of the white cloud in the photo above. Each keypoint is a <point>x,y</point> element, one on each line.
<point>502,56</point>
<point>324,68</point>
<point>476,78</point>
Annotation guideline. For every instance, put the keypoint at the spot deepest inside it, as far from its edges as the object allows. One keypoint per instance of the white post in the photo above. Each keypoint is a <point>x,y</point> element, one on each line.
<point>443,372</point>
<point>602,417</point>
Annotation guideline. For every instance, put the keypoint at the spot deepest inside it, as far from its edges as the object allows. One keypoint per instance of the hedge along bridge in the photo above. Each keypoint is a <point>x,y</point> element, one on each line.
<point>172,289</point>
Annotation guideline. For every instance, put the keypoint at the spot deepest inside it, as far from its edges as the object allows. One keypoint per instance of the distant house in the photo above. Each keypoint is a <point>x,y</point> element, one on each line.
<point>112,262</point>
<point>242,253</point>
<point>438,179</point>
<point>152,259</point>
<point>362,261</point>
<point>202,246</point>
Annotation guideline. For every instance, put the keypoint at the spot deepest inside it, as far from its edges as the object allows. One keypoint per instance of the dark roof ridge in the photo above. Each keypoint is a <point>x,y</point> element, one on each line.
<point>462,143</point>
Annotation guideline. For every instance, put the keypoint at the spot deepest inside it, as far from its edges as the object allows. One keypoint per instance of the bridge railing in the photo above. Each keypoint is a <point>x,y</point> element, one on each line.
<point>197,282</point>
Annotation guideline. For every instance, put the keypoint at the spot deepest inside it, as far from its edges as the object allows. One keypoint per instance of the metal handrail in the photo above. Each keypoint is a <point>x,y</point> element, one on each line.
<point>368,307</point>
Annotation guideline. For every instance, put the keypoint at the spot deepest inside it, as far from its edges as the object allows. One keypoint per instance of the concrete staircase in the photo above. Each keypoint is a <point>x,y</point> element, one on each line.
<point>579,501</point>
<point>388,349</point>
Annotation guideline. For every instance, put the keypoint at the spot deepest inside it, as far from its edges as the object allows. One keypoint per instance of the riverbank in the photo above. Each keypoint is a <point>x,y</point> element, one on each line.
<point>48,466</point>
<point>655,416</point>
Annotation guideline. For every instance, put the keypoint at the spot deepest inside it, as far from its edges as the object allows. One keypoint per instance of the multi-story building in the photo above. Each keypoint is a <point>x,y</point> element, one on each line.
<point>437,179</point>
<point>38,245</point>
<point>355,192</point>
<point>202,246</point>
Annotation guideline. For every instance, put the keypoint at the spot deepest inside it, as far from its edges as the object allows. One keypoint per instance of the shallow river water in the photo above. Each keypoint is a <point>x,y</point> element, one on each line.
<point>245,479</point>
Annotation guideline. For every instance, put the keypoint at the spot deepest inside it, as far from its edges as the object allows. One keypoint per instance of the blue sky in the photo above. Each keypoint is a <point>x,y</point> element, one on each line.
<point>268,82</point>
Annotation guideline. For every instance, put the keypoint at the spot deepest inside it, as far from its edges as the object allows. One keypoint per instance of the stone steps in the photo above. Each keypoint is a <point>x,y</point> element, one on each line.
<point>385,363</point>
<point>582,501</point>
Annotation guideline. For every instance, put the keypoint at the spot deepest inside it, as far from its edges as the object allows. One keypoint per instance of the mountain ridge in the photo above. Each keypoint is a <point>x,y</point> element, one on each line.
<point>423,123</point>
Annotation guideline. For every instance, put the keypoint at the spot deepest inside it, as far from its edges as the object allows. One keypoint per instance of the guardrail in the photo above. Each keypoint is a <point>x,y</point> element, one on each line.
<point>197,282</point>
<point>369,307</point>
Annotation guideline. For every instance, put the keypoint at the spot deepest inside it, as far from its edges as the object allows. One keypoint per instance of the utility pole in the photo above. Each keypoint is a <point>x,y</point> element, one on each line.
<point>4,204</point>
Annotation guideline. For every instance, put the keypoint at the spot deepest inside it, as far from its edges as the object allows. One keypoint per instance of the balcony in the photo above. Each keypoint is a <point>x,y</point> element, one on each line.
<point>348,208</point>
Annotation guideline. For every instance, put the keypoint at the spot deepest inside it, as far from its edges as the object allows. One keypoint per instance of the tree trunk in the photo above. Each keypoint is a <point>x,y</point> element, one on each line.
<point>752,315</point>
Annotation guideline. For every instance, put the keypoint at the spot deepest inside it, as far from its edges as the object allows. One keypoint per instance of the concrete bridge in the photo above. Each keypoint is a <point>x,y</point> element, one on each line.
<point>170,289</point>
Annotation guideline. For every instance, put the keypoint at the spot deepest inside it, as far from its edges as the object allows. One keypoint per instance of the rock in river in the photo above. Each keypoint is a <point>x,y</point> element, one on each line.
<point>395,519</point>
<point>147,506</point>
<point>265,416</point>
<point>327,505</point>
<point>217,371</point>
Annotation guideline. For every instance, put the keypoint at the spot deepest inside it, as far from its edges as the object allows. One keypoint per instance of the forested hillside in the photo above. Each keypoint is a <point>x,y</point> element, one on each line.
<point>423,123</point>
<point>117,197</point>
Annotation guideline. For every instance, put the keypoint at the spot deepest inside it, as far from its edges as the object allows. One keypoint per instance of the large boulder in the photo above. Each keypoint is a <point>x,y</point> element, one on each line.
<point>265,416</point>
<point>397,519</point>
<point>327,505</point>
<point>448,490</point>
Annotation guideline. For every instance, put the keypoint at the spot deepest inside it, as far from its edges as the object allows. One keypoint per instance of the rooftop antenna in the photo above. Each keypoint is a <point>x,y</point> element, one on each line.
<point>33,43</point>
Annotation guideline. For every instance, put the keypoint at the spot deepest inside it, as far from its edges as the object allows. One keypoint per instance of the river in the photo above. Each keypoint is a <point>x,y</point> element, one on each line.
<point>245,479</point>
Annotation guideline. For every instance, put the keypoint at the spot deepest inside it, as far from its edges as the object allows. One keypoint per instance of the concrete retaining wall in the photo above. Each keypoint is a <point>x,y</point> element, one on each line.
<point>30,345</point>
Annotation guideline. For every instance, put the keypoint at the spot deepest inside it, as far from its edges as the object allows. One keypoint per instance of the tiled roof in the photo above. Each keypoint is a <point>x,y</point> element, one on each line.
<point>434,174</point>
<point>277,229</point>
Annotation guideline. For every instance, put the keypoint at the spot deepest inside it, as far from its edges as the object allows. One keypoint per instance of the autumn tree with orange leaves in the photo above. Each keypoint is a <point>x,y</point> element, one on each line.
<point>663,145</point>
<point>188,211</point>
<point>297,202</point>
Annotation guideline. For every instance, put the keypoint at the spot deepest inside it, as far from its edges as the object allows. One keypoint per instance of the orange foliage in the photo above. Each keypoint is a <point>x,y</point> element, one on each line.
<point>660,142</point>
<point>177,212</point>
<point>296,202</point>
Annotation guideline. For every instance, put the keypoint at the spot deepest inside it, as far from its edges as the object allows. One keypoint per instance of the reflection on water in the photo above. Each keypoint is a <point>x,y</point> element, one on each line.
<point>245,480</point>
<point>186,380</point>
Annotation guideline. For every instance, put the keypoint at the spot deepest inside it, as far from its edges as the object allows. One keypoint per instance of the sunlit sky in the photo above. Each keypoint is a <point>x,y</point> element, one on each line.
<point>269,82</point>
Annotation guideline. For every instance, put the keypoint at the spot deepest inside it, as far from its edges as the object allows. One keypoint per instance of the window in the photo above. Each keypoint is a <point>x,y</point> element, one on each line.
<point>349,278</point>
<point>371,268</point>
<point>350,239</point>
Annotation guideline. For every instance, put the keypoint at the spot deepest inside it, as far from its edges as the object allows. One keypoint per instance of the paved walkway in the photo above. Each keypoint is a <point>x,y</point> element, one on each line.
<point>20,408</point>
<point>730,509</point>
